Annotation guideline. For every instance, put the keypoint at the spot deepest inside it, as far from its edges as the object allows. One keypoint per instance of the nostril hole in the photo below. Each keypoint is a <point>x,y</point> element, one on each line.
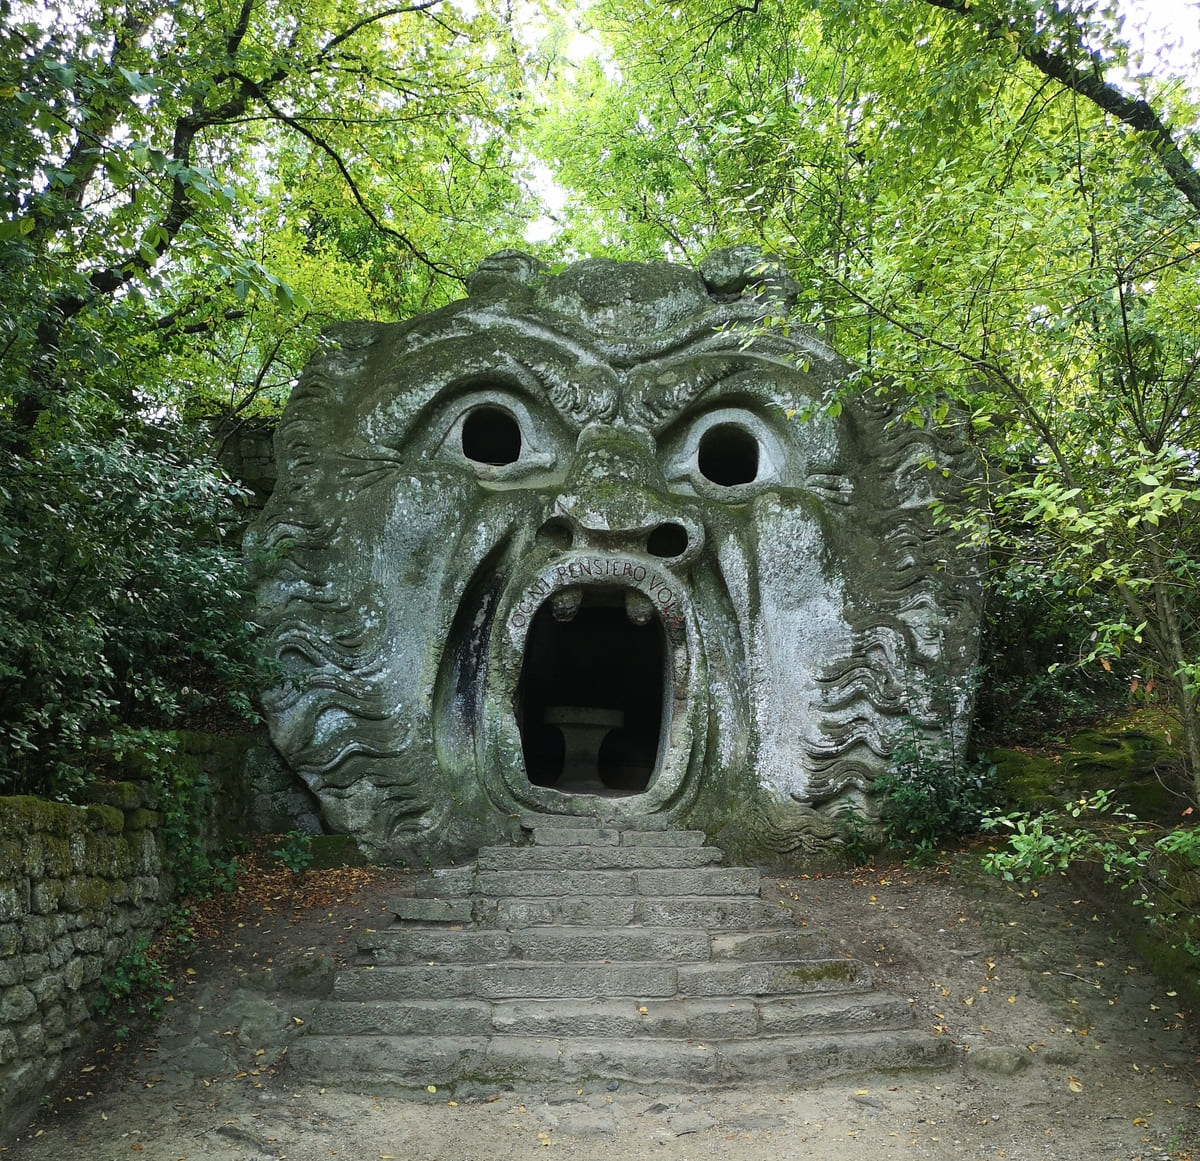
<point>667,540</point>
<point>555,534</point>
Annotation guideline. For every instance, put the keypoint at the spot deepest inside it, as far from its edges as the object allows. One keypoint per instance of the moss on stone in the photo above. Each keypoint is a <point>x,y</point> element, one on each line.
<point>142,820</point>
<point>93,893</point>
<point>1129,758</point>
<point>105,819</point>
<point>56,857</point>
<point>24,814</point>
<point>825,971</point>
<point>335,850</point>
<point>125,796</point>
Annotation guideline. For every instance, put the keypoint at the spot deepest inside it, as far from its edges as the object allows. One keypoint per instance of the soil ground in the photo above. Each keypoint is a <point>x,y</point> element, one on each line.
<point>1063,1046</point>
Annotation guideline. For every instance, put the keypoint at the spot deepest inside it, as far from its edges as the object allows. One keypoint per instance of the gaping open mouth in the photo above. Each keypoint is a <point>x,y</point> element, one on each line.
<point>595,681</point>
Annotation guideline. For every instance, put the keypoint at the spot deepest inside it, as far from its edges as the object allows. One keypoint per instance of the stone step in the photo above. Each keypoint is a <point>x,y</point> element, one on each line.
<point>564,942</point>
<point>441,1060</point>
<point>552,943</point>
<point>579,835</point>
<point>693,881</point>
<point>714,913</point>
<point>596,858</point>
<point>772,978</point>
<point>636,979</point>
<point>783,943</point>
<point>702,1019</point>
<point>599,819</point>
<point>417,909</point>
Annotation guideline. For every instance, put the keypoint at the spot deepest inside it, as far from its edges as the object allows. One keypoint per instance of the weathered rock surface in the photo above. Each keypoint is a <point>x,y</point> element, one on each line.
<point>623,534</point>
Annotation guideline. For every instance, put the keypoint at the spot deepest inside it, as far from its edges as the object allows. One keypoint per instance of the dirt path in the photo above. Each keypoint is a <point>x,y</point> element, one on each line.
<point>1065,1048</point>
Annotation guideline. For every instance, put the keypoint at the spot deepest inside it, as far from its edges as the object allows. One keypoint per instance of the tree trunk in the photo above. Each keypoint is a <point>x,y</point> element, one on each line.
<point>1182,693</point>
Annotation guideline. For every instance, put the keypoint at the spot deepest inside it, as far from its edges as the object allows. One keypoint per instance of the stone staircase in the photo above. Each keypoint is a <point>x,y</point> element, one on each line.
<point>604,950</point>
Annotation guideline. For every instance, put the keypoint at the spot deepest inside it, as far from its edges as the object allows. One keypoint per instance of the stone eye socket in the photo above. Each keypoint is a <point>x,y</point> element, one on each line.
<point>728,455</point>
<point>491,435</point>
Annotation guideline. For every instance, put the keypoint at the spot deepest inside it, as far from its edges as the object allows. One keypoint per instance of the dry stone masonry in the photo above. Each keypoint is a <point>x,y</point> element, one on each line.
<point>77,885</point>
<point>619,533</point>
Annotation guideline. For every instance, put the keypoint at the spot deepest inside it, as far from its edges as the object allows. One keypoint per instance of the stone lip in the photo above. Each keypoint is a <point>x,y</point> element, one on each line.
<point>681,743</point>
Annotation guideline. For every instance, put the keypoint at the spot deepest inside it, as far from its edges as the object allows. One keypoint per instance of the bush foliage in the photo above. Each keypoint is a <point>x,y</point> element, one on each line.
<point>123,607</point>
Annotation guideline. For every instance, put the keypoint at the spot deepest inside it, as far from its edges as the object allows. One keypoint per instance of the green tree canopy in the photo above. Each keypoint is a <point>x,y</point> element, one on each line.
<point>189,190</point>
<point>984,202</point>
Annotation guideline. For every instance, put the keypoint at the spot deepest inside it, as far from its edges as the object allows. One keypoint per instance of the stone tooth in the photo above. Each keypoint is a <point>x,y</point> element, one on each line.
<point>638,607</point>
<point>565,603</point>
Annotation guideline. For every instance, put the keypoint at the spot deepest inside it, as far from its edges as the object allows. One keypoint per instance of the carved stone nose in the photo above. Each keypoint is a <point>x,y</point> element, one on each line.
<point>672,541</point>
<point>615,499</point>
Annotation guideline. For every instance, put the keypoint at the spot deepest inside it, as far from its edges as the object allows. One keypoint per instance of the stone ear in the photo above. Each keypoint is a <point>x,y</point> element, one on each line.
<point>504,270</point>
<point>729,273</point>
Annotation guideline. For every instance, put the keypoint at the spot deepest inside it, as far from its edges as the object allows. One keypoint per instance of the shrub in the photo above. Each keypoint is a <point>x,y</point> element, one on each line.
<point>123,603</point>
<point>1159,868</point>
<point>929,794</point>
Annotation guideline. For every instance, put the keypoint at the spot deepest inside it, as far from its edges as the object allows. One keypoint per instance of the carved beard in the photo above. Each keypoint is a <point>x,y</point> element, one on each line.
<point>531,552</point>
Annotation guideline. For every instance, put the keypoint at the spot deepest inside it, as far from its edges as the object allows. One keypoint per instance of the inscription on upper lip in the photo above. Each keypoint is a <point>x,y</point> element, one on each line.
<point>658,593</point>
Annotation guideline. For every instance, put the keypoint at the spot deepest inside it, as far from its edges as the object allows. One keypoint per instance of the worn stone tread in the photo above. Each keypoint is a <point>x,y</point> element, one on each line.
<point>440,1060</point>
<point>635,979</point>
<point>552,942</point>
<point>605,950</point>
<point>718,1018</point>
<point>584,856</point>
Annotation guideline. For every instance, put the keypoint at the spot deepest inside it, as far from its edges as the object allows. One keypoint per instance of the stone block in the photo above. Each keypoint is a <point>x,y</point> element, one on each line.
<point>44,896</point>
<point>17,858</point>
<point>10,939</point>
<point>105,819</point>
<point>144,889</point>
<point>142,820</point>
<point>459,1017</point>
<point>14,899</point>
<point>88,939</point>
<point>16,1004</point>
<point>422,945</point>
<point>31,1039</point>
<point>47,988</point>
<point>24,814</point>
<point>525,980</point>
<point>36,934</point>
<point>56,856</point>
<point>700,881</point>
<point>592,883</point>
<point>144,851</point>
<point>422,982</point>
<point>74,972</point>
<point>574,943</point>
<point>432,910</point>
<point>62,948</point>
<point>8,1045</point>
<point>772,979</point>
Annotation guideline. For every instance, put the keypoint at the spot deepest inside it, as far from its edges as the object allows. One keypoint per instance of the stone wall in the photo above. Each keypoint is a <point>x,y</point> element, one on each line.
<point>246,451</point>
<point>77,886</point>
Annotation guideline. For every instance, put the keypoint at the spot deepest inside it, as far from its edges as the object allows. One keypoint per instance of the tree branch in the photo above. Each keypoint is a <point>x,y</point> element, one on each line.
<point>1134,112</point>
<point>352,186</point>
<point>346,33</point>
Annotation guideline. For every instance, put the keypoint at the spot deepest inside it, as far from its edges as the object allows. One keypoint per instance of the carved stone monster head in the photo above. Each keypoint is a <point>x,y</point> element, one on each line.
<point>560,547</point>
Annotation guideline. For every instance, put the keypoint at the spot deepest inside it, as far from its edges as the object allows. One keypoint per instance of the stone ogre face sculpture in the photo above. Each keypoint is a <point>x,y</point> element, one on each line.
<point>564,547</point>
